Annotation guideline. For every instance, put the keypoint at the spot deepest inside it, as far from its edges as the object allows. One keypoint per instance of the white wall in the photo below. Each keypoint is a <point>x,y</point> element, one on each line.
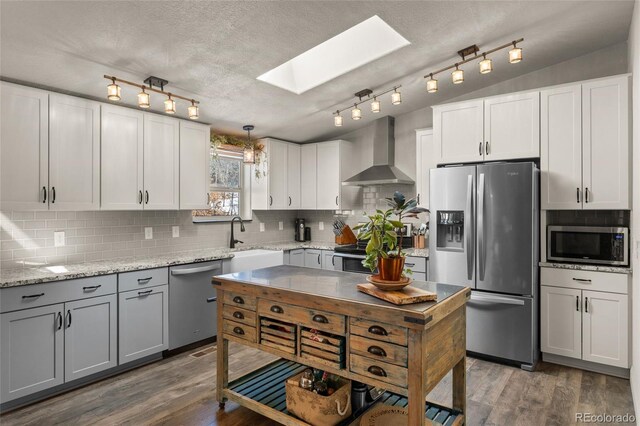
<point>634,67</point>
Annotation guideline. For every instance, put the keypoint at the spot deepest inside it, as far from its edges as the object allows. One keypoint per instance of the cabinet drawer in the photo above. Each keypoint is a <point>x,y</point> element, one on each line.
<point>382,371</point>
<point>280,311</point>
<point>321,320</point>
<point>240,330</point>
<point>31,296</point>
<point>585,280</point>
<point>237,314</point>
<point>381,351</point>
<point>240,300</point>
<point>379,331</point>
<point>416,264</point>
<point>140,279</point>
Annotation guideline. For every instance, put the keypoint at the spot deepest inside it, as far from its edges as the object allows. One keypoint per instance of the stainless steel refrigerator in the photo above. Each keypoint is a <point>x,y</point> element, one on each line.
<point>484,235</point>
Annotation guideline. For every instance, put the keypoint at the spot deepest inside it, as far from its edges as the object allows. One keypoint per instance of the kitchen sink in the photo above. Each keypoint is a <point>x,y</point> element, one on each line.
<point>254,259</point>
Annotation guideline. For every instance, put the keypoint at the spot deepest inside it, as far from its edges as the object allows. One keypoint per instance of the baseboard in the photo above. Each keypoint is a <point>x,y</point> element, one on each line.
<point>587,365</point>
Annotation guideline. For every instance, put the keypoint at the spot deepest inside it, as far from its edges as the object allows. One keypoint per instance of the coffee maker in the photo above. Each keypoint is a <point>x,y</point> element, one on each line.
<point>299,232</point>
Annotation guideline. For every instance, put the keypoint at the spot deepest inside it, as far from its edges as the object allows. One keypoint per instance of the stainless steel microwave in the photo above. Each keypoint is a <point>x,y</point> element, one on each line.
<point>600,245</point>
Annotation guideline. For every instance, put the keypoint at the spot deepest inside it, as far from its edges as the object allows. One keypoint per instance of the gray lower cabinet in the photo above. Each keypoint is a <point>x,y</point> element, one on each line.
<point>313,258</point>
<point>32,359</point>
<point>296,257</point>
<point>328,260</point>
<point>144,322</point>
<point>90,336</point>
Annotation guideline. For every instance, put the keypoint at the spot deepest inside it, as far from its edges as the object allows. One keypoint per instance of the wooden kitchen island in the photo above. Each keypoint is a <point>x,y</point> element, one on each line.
<point>406,350</point>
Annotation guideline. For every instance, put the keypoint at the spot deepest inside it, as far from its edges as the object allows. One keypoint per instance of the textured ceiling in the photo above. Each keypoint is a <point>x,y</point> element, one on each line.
<point>215,50</point>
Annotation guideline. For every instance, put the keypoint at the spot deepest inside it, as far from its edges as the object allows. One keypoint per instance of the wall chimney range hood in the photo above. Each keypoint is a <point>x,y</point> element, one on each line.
<point>383,171</point>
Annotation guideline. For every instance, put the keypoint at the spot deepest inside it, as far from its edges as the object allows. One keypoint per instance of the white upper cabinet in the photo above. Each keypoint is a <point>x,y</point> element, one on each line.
<point>425,161</point>
<point>161,162</point>
<point>328,183</point>
<point>121,159</point>
<point>605,143</point>
<point>308,177</point>
<point>561,148</point>
<point>458,132</point>
<point>293,176</point>
<point>74,153</point>
<point>195,159</point>
<point>24,135</point>
<point>512,127</point>
<point>270,192</point>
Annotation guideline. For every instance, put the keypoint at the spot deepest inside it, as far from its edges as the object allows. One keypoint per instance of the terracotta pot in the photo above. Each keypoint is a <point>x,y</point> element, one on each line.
<point>391,268</point>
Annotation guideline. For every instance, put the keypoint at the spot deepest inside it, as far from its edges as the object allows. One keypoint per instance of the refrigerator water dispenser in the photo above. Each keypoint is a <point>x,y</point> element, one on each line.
<point>450,230</point>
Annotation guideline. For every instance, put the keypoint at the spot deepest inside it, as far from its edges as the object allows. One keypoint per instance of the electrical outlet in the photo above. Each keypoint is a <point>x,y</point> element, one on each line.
<point>58,239</point>
<point>321,226</point>
<point>261,227</point>
<point>175,231</point>
<point>281,226</point>
<point>148,233</point>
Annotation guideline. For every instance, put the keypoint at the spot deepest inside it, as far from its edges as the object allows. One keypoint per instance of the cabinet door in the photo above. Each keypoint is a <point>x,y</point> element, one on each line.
<point>328,182</point>
<point>195,158</point>
<point>74,153</point>
<point>313,258</point>
<point>512,127</point>
<point>308,176</point>
<point>561,148</point>
<point>560,319</point>
<point>277,175</point>
<point>293,176</point>
<point>161,162</point>
<point>328,260</point>
<point>24,138</point>
<point>121,148</point>
<point>143,323</point>
<point>90,337</point>
<point>458,132</point>
<point>32,351</point>
<point>425,161</point>
<point>296,257</point>
<point>605,144</point>
<point>605,328</point>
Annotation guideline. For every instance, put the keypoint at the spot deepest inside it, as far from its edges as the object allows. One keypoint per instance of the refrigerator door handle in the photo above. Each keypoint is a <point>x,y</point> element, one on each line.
<point>469,232</point>
<point>481,248</point>
<point>503,300</point>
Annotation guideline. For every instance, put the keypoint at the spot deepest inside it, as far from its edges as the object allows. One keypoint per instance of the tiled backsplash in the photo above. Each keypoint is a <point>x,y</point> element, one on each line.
<point>589,217</point>
<point>26,237</point>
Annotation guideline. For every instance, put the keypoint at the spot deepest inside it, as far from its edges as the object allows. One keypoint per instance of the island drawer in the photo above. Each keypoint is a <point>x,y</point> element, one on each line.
<point>239,330</point>
<point>142,279</point>
<point>381,351</point>
<point>324,348</point>
<point>313,318</point>
<point>378,331</point>
<point>278,335</point>
<point>382,371</point>
<point>240,300</point>
<point>237,314</point>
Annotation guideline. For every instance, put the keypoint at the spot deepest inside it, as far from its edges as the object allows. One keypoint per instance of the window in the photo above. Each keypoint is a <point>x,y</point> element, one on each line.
<point>226,197</point>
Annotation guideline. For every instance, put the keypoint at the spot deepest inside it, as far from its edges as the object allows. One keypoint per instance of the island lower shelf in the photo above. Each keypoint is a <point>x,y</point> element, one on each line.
<point>263,390</point>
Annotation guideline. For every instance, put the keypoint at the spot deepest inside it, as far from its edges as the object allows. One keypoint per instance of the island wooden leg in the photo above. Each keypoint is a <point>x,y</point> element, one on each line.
<point>222,366</point>
<point>417,378</point>
<point>460,386</point>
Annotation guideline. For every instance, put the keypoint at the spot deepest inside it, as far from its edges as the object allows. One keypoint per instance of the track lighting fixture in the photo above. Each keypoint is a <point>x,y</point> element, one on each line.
<point>337,119</point>
<point>356,113</point>
<point>375,105</point>
<point>396,97</point>
<point>144,97</point>
<point>248,154</point>
<point>469,54</point>
<point>367,95</point>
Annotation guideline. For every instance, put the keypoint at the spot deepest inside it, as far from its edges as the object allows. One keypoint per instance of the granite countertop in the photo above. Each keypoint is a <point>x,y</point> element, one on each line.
<point>579,267</point>
<point>417,252</point>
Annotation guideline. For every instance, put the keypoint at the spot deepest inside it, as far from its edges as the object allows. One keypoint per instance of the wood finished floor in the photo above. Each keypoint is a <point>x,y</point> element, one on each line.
<point>180,391</point>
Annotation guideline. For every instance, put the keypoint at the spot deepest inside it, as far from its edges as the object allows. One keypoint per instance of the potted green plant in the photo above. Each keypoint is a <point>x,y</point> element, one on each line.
<point>384,248</point>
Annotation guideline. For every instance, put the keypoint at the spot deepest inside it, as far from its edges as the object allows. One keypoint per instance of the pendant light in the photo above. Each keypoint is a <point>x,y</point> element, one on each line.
<point>432,84</point>
<point>396,97</point>
<point>193,110</point>
<point>337,119</point>
<point>457,76</point>
<point>249,154</point>
<point>486,65</point>
<point>113,91</point>
<point>375,105</point>
<point>170,105</point>
<point>356,113</point>
<point>515,54</point>
<point>143,99</point>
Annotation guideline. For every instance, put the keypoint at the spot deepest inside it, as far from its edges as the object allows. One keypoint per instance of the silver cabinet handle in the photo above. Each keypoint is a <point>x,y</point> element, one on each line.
<point>468,232</point>
<point>194,270</point>
<point>481,248</point>
<point>503,300</point>
<point>211,299</point>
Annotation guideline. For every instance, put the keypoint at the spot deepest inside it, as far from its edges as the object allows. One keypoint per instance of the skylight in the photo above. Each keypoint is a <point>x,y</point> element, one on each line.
<point>363,43</point>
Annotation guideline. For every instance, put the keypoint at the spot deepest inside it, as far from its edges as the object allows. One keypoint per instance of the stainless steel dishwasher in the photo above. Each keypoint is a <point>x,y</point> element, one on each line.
<point>192,307</point>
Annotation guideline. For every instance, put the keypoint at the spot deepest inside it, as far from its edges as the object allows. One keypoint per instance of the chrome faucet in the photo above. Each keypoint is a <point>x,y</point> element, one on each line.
<point>233,241</point>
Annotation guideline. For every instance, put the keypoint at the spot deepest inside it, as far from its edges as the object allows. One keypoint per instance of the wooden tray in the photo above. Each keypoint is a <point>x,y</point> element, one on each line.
<point>385,285</point>
<point>405,296</point>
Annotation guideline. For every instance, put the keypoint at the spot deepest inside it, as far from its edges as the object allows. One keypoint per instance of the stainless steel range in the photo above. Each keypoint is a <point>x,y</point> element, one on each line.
<point>349,258</point>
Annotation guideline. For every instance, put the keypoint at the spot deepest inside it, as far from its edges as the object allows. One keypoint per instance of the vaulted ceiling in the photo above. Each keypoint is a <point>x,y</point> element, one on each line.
<point>214,50</point>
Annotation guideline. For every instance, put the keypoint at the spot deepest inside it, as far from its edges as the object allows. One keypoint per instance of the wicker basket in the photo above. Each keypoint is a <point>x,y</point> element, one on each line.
<point>316,409</point>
